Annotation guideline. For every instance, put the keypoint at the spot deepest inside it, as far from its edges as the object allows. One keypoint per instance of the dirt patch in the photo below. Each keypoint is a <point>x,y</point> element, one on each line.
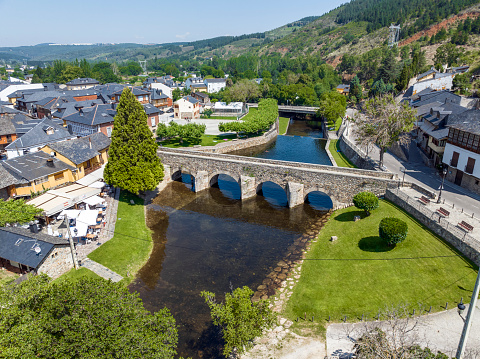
<point>445,24</point>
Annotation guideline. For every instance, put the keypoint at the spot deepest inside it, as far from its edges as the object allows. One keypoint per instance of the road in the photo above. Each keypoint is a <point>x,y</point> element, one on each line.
<point>417,172</point>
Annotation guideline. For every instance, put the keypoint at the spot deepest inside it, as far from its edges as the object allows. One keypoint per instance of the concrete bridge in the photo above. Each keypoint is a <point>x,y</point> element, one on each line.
<point>297,179</point>
<point>296,110</point>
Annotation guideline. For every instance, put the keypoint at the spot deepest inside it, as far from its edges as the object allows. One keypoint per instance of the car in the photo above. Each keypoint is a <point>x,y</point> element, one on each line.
<point>170,110</point>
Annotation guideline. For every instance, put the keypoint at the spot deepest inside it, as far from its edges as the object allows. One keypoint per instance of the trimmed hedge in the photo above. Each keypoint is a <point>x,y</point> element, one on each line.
<point>366,201</point>
<point>392,230</point>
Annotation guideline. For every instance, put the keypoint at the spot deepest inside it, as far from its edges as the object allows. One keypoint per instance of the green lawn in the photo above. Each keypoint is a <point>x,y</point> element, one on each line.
<point>337,124</point>
<point>132,243</point>
<point>283,125</point>
<point>75,274</point>
<point>358,275</point>
<point>339,157</point>
<point>207,140</point>
<point>251,111</point>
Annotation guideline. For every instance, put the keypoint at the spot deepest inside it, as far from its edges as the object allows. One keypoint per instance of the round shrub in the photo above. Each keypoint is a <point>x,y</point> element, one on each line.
<point>366,201</point>
<point>392,230</point>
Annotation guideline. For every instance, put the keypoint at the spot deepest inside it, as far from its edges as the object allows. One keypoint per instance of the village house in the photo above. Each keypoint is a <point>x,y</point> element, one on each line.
<point>187,108</point>
<point>160,100</point>
<point>194,81</point>
<point>202,97</point>
<point>81,83</point>
<point>215,85</point>
<point>89,120</point>
<point>153,114</point>
<point>44,132</point>
<point>142,96</point>
<point>8,134</point>
<point>85,154</point>
<point>23,251</point>
<point>36,172</point>
<point>462,150</point>
<point>343,89</point>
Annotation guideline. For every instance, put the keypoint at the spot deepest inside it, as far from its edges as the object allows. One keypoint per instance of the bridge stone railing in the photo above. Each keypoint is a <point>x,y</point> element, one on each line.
<point>297,179</point>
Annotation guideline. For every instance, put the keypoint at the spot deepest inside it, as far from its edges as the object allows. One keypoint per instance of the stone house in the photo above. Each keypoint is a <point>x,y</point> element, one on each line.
<point>23,251</point>
<point>92,119</point>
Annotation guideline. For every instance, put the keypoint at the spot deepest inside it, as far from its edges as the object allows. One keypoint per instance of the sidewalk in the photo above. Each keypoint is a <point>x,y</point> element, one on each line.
<point>417,172</point>
<point>439,331</point>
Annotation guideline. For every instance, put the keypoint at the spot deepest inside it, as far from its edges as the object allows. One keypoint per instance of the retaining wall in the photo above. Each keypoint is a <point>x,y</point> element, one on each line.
<point>356,155</point>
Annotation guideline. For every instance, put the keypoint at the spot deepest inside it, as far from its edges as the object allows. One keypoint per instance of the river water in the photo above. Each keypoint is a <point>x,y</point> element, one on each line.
<point>213,241</point>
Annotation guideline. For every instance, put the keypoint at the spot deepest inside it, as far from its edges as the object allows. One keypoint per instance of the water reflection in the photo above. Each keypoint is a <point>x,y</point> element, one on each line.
<point>305,128</point>
<point>212,241</point>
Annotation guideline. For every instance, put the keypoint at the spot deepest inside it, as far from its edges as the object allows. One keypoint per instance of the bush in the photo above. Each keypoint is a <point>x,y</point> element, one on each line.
<point>366,201</point>
<point>392,230</point>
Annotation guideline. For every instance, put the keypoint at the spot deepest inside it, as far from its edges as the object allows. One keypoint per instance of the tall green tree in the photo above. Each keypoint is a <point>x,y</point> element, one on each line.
<point>133,163</point>
<point>356,88</point>
<point>240,319</point>
<point>89,318</point>
<point>332,105</point>
<point>17,211</point>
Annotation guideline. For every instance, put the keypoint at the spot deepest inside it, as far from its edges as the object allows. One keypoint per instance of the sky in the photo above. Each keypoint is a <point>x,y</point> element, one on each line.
<point>145,21</point>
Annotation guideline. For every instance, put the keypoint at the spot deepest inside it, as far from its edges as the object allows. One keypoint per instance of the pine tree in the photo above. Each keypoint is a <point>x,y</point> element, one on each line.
<point>356,88</point>
<point>133,163</point>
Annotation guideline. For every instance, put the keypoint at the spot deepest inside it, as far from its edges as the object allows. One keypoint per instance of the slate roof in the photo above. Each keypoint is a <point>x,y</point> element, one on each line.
<point>16,244</point>
<point>157,95</point>
<point>37,136</point>
<point>68,108</point>
<point>437,96</point>
<point>23,123</point>
<point>34,165</point>
<point>468,121</point>
<point>82,149</point>
<point>93,116</point>
<point>82,81</point>
<point>343,87</point>
<point>7,179</point>
<point>215,80</point>
<point>150,109</point>
<point>190,99</point>
<point>429,72</point>
<point>135,90</point>
<point>6,126</point>
<point>200,85</point>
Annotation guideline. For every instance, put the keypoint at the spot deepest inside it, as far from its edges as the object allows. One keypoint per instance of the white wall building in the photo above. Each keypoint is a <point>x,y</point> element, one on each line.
<point>165,89</point>
<point>215,85</point>
<point>21,86</point>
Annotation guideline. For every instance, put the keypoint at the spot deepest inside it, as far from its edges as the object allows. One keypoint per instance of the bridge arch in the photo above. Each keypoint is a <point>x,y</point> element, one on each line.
<point>319,199</point>
<point>273,192</point>
<point>214,177</point>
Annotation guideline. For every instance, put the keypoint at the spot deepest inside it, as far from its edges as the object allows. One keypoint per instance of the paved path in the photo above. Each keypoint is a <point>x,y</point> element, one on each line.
<point>439,331</point>
<point>102,271</point>
<point>417,172</point>
<point>212,125</point>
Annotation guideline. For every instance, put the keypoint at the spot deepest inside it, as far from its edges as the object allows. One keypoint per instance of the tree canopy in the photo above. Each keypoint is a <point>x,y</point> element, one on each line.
<point>384,122</point>
<point>133,163</point>
<point>241,319</point>
<point>190,131</point>
<point>332,106</point>
<point>17,211</point>
<point>90,318</point>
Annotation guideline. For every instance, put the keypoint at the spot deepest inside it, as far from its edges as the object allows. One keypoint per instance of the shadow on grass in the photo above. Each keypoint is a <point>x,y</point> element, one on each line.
<point>348,216</point>
<point>374,244</point>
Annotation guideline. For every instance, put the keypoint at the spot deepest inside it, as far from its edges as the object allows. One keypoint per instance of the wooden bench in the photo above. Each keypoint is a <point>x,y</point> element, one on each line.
<point>464,225</point>
<point>424,200</point>
<point>443,212</point>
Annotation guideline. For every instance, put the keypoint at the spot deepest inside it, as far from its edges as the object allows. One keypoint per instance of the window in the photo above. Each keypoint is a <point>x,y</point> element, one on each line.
<point>152,119</point>
<point>454,160</point>
<point>9,138</point>
<point>58,176</point>
<point>41,180</point>
<point>470,165</point>
<point>109,131</point>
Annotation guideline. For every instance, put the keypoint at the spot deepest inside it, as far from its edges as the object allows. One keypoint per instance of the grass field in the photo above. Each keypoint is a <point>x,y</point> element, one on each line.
<point>283,125</point>
<point>335,125</point>
<point>7,277</point>
<point>131,245</point>
<point>358,275</point>
<point>75,274</point>
<point>207,140</point>
<point>339,157</point>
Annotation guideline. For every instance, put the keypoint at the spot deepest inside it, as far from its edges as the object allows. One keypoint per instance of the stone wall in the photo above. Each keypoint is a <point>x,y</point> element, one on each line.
<point>235,145</point>
<point>297,179</point>
<point>356,155</point>
<point>58,262</point>
<point>463,242</point>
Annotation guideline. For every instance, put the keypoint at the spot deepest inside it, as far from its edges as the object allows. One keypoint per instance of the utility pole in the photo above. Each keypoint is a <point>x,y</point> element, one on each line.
<point>468,320</point>
<point>70,240</point>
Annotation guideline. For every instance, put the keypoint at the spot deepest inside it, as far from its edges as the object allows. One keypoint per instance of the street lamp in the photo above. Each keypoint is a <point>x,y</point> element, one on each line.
<point>461,307</point>
<point>445,169</point>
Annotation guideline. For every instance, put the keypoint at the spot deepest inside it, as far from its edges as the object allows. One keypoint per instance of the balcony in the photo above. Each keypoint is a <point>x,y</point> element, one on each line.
<point>92,168</point>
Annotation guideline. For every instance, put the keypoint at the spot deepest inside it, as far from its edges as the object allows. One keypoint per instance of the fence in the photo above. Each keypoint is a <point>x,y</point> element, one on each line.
<point>457,237</point>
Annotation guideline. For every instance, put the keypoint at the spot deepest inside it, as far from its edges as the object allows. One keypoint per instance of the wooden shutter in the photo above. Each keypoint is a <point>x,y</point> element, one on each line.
<point>454,160</point>
<point>470,165</point>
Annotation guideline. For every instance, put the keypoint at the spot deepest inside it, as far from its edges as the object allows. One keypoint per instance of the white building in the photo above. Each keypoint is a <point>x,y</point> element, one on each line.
<point>164,88</point>
<point>187,108</point>
<point>231,109</point>
<point>215,85</point>
<point>193,81</point>
<point>8,89</point>
<point>439,81</point>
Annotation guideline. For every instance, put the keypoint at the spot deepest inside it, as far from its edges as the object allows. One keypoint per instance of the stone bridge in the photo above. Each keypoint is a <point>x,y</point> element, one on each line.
<point>297,179</point>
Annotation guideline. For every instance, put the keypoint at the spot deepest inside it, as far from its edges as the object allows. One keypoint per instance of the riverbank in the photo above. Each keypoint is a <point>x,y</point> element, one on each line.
<point>356,276</point>
<point>340,159</point>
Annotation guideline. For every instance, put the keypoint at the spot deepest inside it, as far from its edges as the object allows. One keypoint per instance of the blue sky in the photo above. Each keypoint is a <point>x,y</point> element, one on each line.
<point>64,21</point>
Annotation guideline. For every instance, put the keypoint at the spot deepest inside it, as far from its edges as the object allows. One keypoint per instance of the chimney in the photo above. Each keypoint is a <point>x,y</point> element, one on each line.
<point>50,162</point>
<point>89,142</point>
